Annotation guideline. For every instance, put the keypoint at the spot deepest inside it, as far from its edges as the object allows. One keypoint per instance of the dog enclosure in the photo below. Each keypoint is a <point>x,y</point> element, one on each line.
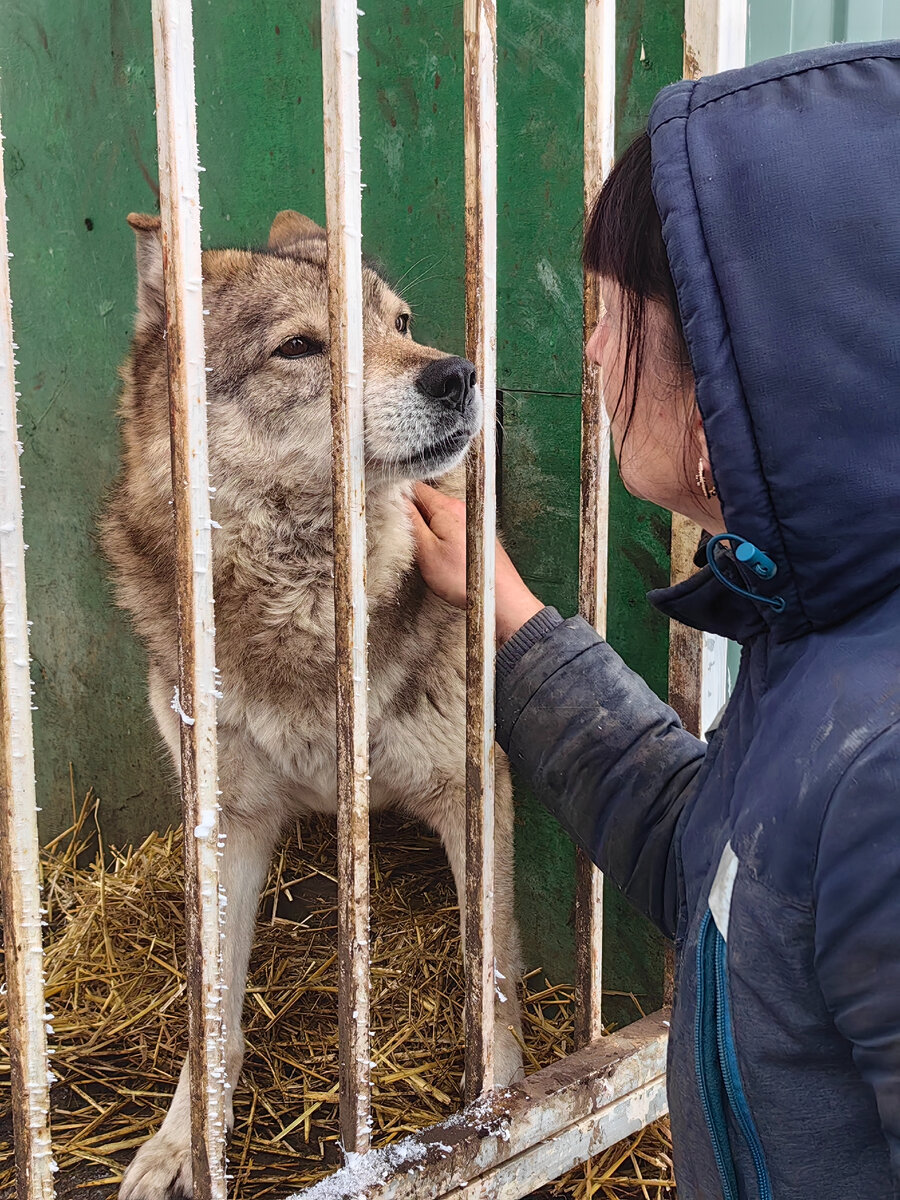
<point>504,1143</point>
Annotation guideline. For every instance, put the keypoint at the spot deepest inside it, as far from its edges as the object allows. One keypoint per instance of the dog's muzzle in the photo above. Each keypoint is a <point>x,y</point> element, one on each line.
<point>451,383</point>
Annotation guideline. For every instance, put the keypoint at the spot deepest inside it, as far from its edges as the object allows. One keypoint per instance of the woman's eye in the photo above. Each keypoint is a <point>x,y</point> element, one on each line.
<point>296,347</point>
<point>402,323</point>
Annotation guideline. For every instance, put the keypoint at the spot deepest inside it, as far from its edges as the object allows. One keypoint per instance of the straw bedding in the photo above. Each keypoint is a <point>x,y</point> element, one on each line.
<point>114,985</point>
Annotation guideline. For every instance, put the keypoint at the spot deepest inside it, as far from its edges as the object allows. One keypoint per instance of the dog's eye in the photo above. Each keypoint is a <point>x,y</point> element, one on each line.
<point>402,323</point>
<point>296,347</point>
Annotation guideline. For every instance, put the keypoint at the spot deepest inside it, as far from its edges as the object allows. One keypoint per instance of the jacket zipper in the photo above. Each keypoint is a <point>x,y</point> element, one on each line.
<point>734,1089</point>
<point>705,1064</point>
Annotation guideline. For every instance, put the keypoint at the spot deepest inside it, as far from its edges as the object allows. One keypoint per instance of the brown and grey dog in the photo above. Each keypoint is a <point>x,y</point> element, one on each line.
<point>270,462</point>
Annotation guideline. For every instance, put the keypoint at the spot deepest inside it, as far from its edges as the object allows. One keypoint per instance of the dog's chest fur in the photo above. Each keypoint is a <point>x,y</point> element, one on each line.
<point>274,593</point>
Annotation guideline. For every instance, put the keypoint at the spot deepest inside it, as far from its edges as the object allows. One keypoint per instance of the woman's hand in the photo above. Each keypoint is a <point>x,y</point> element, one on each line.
<point>439,525</point>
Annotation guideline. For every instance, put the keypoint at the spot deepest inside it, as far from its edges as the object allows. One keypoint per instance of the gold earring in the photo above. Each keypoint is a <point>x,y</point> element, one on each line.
<point>708,491</point>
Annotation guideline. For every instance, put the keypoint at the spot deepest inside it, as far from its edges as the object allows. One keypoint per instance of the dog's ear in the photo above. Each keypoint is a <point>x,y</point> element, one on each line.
<point>290,227</point>
<point>151,300</point>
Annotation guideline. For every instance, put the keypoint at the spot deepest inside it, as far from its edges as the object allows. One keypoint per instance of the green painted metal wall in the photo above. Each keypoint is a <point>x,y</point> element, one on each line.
<point>77,102</point>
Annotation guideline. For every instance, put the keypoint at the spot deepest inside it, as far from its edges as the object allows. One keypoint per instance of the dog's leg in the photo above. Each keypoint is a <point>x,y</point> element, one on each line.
<point>161,1169</point>
<point>446,813</point>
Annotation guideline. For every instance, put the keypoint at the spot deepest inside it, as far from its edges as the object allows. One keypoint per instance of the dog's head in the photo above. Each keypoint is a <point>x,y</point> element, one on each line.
<point>269,379</point>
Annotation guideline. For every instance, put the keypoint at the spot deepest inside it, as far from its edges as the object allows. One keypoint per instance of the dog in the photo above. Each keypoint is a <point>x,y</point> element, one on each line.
<point>268,386</point>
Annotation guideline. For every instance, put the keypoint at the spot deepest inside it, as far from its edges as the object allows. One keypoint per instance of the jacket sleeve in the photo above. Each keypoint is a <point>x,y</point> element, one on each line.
<point>857,913</point>
<point>608,759</point>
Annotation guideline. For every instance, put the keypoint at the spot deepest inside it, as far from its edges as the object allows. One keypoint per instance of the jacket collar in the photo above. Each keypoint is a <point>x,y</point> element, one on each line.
<point>702,602</point>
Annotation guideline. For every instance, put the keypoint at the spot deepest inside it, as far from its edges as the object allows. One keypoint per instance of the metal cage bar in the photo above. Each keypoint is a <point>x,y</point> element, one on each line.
<point>195,698</point>
<point>517,1139</point>
<point>345,314</point>
<point>19,855</point>
<point>593,551</point>
<point>715,38</point>
<point>480,127</point>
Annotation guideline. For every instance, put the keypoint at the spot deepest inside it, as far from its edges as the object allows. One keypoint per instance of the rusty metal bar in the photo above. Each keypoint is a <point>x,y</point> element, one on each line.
<point>195,697</point>
<point>513,1141</point>
<point>480,127</point>
<point>685,645</point>
<point>715,35</point>
<point>20,892</point>
<point>344,220</point>
<point>599,133</point>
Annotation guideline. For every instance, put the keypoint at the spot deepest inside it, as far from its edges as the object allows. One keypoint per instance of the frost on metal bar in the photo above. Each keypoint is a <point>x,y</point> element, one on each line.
<point>480,127</point>
<point>173,52</point>
<point>599,133</point>
<point>344,220</point>
<point>19,866</point>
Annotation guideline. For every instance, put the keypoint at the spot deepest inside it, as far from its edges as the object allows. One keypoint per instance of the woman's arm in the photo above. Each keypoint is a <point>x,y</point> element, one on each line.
<point>599,749</point>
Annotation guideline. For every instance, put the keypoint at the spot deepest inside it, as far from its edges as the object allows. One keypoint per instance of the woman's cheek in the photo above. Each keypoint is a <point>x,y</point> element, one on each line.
<point>629,466</point>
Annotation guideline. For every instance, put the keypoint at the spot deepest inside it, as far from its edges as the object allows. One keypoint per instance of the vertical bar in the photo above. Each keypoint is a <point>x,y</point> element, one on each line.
<point>599,135</point>
<point>480,129</point>
<point>715,36</point>
<point>173,53</point>
<point>19,864</point>
<point>685,645</point>
<point>344,220</point>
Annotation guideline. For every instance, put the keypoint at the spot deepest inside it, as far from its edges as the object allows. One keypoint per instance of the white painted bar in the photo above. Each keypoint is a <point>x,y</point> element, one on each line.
<point>715,36</point>
<point>553,1157</point>
<point>599,149</point>
<point>173,53</point>
<point>19,853</point>
<point>480,126</point>
<point>715,39</point>
<point>512,1141</point>
<point>344,220</point>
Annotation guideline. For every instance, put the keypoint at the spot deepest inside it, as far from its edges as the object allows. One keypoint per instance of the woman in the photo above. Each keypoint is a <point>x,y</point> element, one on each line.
<point>748,249</point>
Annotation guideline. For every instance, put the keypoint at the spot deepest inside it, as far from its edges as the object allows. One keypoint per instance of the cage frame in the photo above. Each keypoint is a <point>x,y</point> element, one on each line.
<point>504,1142</point>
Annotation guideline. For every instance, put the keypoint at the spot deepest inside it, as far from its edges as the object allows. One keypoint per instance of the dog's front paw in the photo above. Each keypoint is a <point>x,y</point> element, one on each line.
<point>161,1169</point>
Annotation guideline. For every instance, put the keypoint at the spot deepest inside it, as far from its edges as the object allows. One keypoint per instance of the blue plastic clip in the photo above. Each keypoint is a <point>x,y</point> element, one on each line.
<point>749,556</point>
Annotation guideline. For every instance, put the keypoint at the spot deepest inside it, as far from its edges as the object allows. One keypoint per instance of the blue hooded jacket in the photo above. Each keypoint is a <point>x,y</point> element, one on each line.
<point>772,854</point>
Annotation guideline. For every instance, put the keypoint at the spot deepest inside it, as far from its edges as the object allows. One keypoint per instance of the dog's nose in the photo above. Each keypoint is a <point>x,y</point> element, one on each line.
<point>451,380</point>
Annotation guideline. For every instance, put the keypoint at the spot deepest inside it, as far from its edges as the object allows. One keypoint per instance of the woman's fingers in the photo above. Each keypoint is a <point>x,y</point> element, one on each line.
<point>421,527</point>
<point>439,528</point>
<point>429,501</point>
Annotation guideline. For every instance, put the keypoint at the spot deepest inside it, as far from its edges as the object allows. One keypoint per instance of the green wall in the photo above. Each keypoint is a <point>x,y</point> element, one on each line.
<point>76,83</point>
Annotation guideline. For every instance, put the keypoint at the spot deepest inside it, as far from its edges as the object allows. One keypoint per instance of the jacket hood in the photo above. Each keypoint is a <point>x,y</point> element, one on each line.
<point>779,191</point>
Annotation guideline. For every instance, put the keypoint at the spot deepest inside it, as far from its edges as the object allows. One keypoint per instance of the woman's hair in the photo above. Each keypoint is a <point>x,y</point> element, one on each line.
<point>624,243</point>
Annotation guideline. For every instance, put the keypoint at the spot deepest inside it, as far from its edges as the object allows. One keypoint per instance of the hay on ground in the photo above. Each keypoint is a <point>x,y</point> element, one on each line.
<point>114,974</point>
